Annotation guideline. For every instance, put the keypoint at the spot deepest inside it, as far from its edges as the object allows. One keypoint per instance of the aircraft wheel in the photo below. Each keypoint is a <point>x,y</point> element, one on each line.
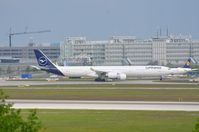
<point>99,80</point>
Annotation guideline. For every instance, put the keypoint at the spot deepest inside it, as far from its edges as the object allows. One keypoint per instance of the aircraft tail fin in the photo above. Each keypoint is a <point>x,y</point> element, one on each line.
<point>42,59</point>
<point>188,62</point>
<point>45,63</point>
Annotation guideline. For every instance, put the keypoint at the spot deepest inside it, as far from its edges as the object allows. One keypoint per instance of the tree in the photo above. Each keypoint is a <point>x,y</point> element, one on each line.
<point>196,129</point>
<point>11,119</point>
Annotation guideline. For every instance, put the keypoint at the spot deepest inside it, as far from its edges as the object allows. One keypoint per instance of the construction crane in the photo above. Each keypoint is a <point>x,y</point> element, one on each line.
<point>21,33</point>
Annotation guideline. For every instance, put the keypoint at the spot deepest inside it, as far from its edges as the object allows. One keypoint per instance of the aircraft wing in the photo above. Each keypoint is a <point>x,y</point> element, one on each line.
<point>99,72</point>
<point>104,74</point>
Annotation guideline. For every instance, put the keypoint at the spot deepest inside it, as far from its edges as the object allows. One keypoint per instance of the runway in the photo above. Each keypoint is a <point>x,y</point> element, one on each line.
<point>105,105</point>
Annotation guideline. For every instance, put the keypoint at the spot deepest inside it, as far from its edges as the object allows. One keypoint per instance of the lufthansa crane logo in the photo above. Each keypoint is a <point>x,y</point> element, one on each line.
<point>42,61</point>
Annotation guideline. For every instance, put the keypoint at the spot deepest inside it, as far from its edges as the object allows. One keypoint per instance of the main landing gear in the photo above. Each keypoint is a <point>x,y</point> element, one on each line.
<point>100,80</point>
<point>103,80</point>
<point>161,78</point>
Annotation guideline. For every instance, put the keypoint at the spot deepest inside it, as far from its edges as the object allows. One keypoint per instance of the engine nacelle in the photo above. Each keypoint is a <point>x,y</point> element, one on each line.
<point>115,75</point>
<point>122,76</point>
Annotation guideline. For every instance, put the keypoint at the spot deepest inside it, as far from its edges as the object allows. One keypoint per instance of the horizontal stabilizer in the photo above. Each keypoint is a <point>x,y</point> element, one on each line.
<point>35,67</point>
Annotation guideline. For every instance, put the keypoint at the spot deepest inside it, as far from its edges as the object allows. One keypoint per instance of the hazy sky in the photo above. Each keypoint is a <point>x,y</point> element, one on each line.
<point>96,19</point>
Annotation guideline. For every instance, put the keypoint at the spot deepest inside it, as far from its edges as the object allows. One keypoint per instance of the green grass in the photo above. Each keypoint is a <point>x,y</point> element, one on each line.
<point>111,121</point>
<point>116,121</point>
<point>105,94</point>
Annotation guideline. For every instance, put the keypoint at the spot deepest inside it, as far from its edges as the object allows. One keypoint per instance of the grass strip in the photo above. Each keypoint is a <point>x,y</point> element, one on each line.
<point>116,121</point>
<point>106,94</point>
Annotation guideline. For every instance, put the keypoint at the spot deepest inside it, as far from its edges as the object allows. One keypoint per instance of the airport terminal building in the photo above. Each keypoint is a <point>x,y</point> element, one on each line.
<point>19,58</point>
<point>164,50</point>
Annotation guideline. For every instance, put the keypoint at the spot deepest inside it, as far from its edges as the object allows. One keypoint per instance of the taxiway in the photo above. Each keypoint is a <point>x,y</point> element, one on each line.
<point>27,83</point>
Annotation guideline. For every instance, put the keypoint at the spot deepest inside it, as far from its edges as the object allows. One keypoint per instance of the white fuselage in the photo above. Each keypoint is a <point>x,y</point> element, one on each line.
<point>103,73</point>
<point>129,71</point>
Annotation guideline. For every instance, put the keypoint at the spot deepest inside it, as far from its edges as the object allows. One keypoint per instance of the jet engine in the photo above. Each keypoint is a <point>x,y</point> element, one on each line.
<point>115,75</point>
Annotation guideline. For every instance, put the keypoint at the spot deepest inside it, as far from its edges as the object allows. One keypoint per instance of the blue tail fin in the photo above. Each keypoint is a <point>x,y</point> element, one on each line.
<point>45,63</point>
<point>187,64</point>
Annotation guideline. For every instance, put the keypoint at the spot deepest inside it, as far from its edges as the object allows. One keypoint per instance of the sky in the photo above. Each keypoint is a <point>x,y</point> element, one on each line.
<point>96,19</point>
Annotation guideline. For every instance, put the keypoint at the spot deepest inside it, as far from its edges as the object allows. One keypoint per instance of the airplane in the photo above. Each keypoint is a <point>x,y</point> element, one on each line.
<point>107,73</point>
